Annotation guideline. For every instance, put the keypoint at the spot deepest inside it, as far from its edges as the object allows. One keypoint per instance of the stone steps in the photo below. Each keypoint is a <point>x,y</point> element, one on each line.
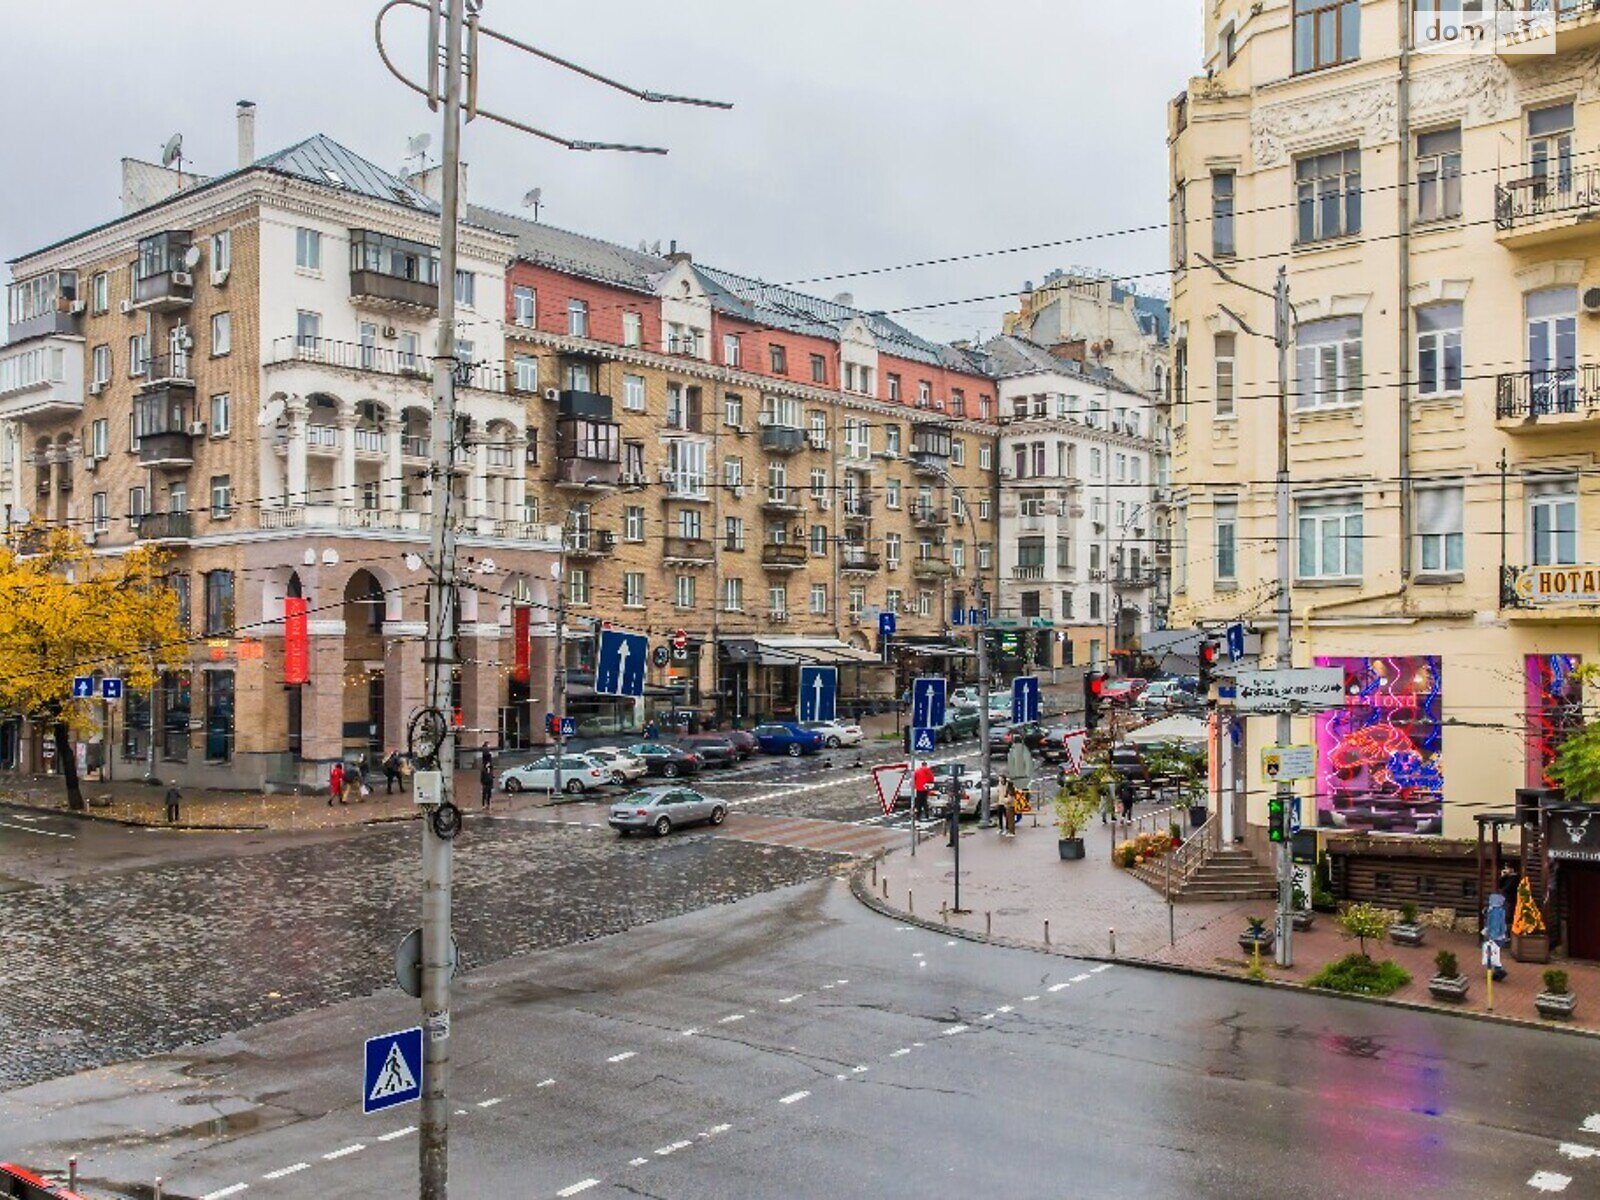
<point>1227,875</point>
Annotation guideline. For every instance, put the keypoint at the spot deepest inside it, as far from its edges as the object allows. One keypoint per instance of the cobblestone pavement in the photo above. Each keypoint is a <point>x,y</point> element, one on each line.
<point>133,963</point>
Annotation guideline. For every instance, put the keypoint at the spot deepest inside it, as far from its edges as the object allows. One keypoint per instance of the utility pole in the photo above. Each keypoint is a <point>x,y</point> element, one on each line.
<point>1281,310</point>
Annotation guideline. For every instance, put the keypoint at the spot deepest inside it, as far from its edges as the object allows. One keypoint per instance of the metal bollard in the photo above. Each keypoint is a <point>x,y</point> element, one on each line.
<point>157,1193</point>
<point>885,887</point>
<point>874,873</point>
<point>988,922</point>
<point>1113,943</point>
<point>1047,933</point>
<point>944,914</point>
<point>72,1173</point>
<point>911,905</point>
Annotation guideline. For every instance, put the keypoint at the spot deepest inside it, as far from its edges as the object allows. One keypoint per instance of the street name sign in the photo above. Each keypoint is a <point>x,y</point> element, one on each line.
<point>620,662</point>
<point>819,693</point>
<point>1297,689</point>
<point>1285,764</point>
<point>393,1070</point>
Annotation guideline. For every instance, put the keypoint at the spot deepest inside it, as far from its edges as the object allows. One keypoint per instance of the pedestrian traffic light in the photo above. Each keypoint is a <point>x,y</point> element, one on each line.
<point>1094,683</point>
<point>1210,655</point>
<point>1278,818</point>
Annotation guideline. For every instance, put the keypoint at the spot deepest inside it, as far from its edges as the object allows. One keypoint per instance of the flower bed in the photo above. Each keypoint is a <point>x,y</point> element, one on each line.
<point>1142,849</point>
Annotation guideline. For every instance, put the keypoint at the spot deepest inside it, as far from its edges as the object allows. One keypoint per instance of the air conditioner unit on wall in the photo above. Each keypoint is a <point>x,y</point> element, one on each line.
<point>90,463</point>
<point>552,393</point>
<point>1591,300</point>
<point>125,307</point>
<point>182,279</point>
<point>218,278</point>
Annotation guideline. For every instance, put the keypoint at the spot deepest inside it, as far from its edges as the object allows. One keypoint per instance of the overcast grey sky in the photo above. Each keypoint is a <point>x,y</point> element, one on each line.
<point>867,133</point>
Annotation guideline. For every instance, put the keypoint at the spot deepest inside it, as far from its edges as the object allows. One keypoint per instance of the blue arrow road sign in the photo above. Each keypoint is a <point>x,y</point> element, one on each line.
<point>957,616</point>
<point>886,624</point>
<point>83,687</point>
<point>923,741</point>
<point>393,1073</point>
<point>1235,642</point>
<point>1294,815</point>
<point>620,662</point>
<point>819,693</point>
<point>927,702</point>
<point>1025,698</point>
<point>111,689</point>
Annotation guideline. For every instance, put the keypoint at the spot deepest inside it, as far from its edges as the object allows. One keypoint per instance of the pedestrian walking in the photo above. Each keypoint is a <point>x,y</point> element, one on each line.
<point>352,784</point>
<point>486,780</point>
<point>336,784</point>
<point>1491,960</point>
<point>391,771</point>
<point>174,800</point>
<point>922,789</point>
<point>1507,887</point>
<point>1125,796</point>
<point>1494,922</point>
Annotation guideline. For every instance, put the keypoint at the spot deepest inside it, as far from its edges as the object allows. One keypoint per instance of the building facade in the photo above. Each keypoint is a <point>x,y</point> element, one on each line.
<point>1431,207</point>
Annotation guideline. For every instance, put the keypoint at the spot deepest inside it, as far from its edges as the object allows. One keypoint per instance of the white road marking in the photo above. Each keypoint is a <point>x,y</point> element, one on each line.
<point>1591,1124</point>
<point>858,1070</point>
<point>1004,1008</point>
<point>953,1030</point>
<point>917,954</point>
<point>1549,1181</point>
<point>917,1045</point>
<point>351,1149</point>
<point>716,1129</point>
<point>1101,967</point>
<point>1055,987</point>
<point>666,1150</point>
<point>71,837</point>
<point>227,1191</point>
<point>490,1103</point>
<point>546,1083</point>
<point>1029,999</point>
<point>987,1017</point>
<point>1078,978</point>
<point>582,1186</point>
<point>790,999</point>
<point>623,1057</point>
<point>637,1162</point>
<point>398,1133</point>
<point>904,1050</point>
<point>842,982</point>
<point>690,1032</point>
<point>1573,1150</point>
<point>730,1020</point>
<point>951,942</point>
<point>827,987</point>
<point>282,1171</point>
<point>793,1097</point>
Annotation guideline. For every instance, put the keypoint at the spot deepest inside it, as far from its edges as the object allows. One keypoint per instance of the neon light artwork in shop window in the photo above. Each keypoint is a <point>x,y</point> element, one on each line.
<point>1554,711</point>
<point>1379,758</point>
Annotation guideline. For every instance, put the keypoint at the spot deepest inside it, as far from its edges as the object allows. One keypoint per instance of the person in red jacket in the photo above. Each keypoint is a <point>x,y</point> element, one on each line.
<point>922,786</point>
<point>336,784</point>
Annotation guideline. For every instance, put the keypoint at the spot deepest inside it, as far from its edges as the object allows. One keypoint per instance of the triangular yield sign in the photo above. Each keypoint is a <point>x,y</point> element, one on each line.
<point>395,1078</point>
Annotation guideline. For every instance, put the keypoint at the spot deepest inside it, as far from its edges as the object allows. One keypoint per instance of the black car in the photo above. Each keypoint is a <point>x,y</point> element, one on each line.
<point>713,749</point>
<point>665,760</point>
<point>1002,733</point>
<point>1128,763</point>
<point>743,741</point>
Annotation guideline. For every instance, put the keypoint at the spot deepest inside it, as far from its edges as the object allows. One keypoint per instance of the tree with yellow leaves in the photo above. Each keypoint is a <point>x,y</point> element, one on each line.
<point>65,612</point>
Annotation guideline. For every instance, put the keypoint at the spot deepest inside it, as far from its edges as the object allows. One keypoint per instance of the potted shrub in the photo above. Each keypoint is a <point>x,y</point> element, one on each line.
<point>1077,800</point>
<point>1556,1002</point>
<point>1408,930</point>
<point>1448,983</point>
<point>1257,938</point>
<point>1530,940</point>
<point>1302,916</point>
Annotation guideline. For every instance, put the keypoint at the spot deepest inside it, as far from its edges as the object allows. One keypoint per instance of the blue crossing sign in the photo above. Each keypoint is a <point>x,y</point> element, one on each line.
<point>927,703</point>
<point>886,624</point>
<point>924,741</point>
<point>620,663</point>
<point>83,687</point>
<point>1235,642</point>
<point>569,727</point>
<point>393,1073</point>
<point>111,689</point>
<point>819,693</point>
<point>1025,698</point>
<point>1294,815</point>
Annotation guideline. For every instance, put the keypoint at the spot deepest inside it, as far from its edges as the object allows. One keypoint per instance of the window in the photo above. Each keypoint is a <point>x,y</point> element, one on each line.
<point>1438,349</point>
<point>891,494</point>
<point>894,388</point>
<point>958,452</point>
<point>136,506</point>
<point>1552,350</point>
<point>983,508</point>
<point>307,330</point>
<point>733,533</point>
<point>1439,174</point>
<point>524,306</point>
<point>733,410</point>
<point>891,439</point>
<point>99,438</point>
<point>100,366</point>
<point>1549,150</point>
<point>686,466</point>
<point>221,414</point>
<point>1135,469</point>
<point>857,600</point>
<point>732,471</point>
<point>1225,521</point>
<point>578,585</point>
<point>1553,522</point>
<point>1330,539</point>
<point>819,483</point>
<point>308,249</point>
<point>857,438</point>
<point>924,604</point>
<point>1222,238</point>
<point>689,524</point>
<point>958,402</point>
<point>1326,33</point>
<point>1094,609</point>
<point>632,329</point>
<point>1441,548</point>
<point>730,349</point>
<point>891,550</point>
<point>819,600</point>
<point>633,523</point>
<point>733,595</point>
<point>683,591</point>
<point>1225,392</point>
<point>633,393</point>
<point>819,540</point>
<point>221,497</point>
<point>779,359</point>
<point>985,553</point>
<point>633,589</point>
<point>467,288</point>
<point>1328,363</point>
<point>1096,456</point>
<point>221,252</point>
<point>958,555</point>
<point>221,334</point>
<point>632,460</point>
<point>778,599</point>
<point>1180,225</point>
<point>577,318</point>
<point>410,352</point>
<point>819,369</point>
<point>924,393</point>
<point>985,457</point>
<point>100,293</point>
<point>99,512</point>
<point>1328,195</point>
<point>219,601</point>
<point>527,373</point>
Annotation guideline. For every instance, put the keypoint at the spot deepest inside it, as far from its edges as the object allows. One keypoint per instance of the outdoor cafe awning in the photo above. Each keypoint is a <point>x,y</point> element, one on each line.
<point>797,651</point>
<point>939,650</point>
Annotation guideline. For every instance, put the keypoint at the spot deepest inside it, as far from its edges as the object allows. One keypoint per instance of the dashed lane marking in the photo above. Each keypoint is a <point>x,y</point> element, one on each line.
<point>282,1171</point>
<point>1055,987</point>
<point>673,1148</point>
<point>546,1083</point>
<point>582,1185</point>
<point>1549,1181</point>
<point>227,1191</point>
<point>791,999</point>
<point>490,1103</point>
<point>793,1097</point>
<point>1101,967</point>
<point>716,1129</point>
<point>901,1053</point>
<point>1029,999</point>
<point>623,1057</point>
<point>1078,978</point>
<point>71,837</point>
<point>1005,1008</point>
<point>729,1020</point>
<point>987,1017</point>
<point>356,1148</point>
<point>637,1162</point>
<point>1573,1150</point>
<point>398,1133</point>
<point>953,1030</point>
<point>691,1032</point>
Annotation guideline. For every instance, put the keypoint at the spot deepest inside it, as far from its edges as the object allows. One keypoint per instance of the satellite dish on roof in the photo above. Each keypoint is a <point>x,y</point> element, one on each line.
<point>656,249</point>
<point>418,144</point>
<point>173,151</point>
<point>191,258</point>
<point>534,199</point>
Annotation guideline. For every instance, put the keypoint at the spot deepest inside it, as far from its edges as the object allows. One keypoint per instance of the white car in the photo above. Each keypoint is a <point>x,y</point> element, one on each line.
<point>836,733</point>
<point>624,767</point>
<point>579,773</point>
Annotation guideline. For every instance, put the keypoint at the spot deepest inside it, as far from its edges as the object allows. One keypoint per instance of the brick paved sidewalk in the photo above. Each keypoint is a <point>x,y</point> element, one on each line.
<point>1013,886</point>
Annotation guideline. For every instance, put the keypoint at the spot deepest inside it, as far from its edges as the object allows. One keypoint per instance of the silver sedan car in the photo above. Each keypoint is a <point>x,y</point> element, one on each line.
<point>662,809</point>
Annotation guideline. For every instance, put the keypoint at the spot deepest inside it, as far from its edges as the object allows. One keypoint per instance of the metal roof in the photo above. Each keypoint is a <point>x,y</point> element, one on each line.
<point>575,253</point>
<point>323,161</point>
<point>1011,356</point>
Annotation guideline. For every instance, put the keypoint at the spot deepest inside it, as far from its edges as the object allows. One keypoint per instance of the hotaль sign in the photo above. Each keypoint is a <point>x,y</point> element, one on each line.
<point>1569,585</point>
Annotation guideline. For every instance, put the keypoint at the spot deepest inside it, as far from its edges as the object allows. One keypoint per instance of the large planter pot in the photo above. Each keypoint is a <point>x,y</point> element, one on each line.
<point>1449,987</point>
<point>1403,934</point>
<point>1530,947</point>
<point>1554,1007</point>
<point>1070,848</point>
<point>1197,815</point>
<point>1250,944</point>
<point>1303,920</point>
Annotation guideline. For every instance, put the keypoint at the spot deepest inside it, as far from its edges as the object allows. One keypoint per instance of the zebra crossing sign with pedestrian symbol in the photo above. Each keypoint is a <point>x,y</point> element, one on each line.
<point>393,1072</point>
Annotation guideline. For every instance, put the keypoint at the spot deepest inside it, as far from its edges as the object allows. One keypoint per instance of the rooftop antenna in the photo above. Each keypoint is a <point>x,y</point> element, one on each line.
<point>534,200</point>
<point>172,153</point>
<point>417,148</point>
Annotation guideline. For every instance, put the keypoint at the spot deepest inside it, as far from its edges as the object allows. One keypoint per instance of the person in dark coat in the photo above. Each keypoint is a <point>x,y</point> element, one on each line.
<point>174,799</point>
<point>1507,887</point>
<point>1125,795</point>
<point>391,772</point>
<point>486,779</point>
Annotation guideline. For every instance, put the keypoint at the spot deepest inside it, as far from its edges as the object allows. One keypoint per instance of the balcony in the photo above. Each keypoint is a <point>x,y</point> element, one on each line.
<point>587,474</point>
<point>926,516</point>
<point>857,507</point>
<point>781,500</point>
<point>166,528</point>
<point>1547,401</point>
<point>780,439</point>
<point>379,360</point>
<point>930,569</point>
<point>596,406</point>
<point>933,465</point>
<point>162,417</point>
<point>1546,208</point>
<point>166,450</point>
<point>1034,574</point>
<point>590,543</point>
<point>1577,27</point>
<point>374,289</point>
<point>45,306</point>
<point>858,560</point>
<point>690,551</point>
<point>783,556</point>
<point>42,381</point>
<point>588,448</point>
<point>393,273</point>
<point>161,274</point>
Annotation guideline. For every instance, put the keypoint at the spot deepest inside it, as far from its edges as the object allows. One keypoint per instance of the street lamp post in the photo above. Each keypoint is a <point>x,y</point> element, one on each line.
<point>981,637</point>
<point>561,632</point>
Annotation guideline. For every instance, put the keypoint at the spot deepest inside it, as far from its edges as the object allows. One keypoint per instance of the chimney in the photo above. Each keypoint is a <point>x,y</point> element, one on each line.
<point>430,182</point>
<point>674,255</point>
<point>1073,351</point>
<point>247,132</point>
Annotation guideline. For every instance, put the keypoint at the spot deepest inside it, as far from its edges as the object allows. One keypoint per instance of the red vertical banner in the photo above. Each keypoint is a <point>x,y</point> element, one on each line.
<point>520,631</point>
<point>296,641</point>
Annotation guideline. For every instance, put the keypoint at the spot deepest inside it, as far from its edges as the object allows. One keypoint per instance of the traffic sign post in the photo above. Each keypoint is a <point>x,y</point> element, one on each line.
<point>83,687</point>
<point>393,1070</point>
<point>619,663</point>
<point>1025,698</point>
<point>927,702</point>
<point>819,693</point>
<point>1235,642</point>
<point>924,741</point>
<point>111,689</point>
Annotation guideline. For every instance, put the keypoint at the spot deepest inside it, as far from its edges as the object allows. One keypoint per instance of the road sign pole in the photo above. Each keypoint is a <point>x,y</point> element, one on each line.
<point>1281,330</point>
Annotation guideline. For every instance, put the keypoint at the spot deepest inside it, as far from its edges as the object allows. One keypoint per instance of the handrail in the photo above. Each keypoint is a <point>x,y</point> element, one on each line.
<point>1196,849</point>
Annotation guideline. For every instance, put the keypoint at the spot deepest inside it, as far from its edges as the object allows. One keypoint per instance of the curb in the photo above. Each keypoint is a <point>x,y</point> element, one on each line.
<point>864,895</point>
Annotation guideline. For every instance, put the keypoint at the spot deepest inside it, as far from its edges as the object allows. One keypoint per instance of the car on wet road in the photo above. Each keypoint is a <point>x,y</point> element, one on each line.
<point>714,748</point>
<point>625,767</point>
<point>785,737</point>
<point>660,810</point>
<point>836,733</point>
<point>666,760</point>
<point>579,773</point>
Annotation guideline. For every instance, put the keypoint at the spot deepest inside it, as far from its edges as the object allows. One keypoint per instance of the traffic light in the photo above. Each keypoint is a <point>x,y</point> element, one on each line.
<point>1278,815</point>
<point>551,725</point>
<point>1094,683</point>
<point>1210,655</point>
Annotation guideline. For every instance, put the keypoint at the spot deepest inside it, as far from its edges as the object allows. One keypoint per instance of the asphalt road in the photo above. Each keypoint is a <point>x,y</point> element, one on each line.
<point>796,1045</point>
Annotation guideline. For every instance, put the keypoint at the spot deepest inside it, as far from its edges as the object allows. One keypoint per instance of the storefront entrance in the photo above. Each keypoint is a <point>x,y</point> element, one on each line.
<point>1583,911</point>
